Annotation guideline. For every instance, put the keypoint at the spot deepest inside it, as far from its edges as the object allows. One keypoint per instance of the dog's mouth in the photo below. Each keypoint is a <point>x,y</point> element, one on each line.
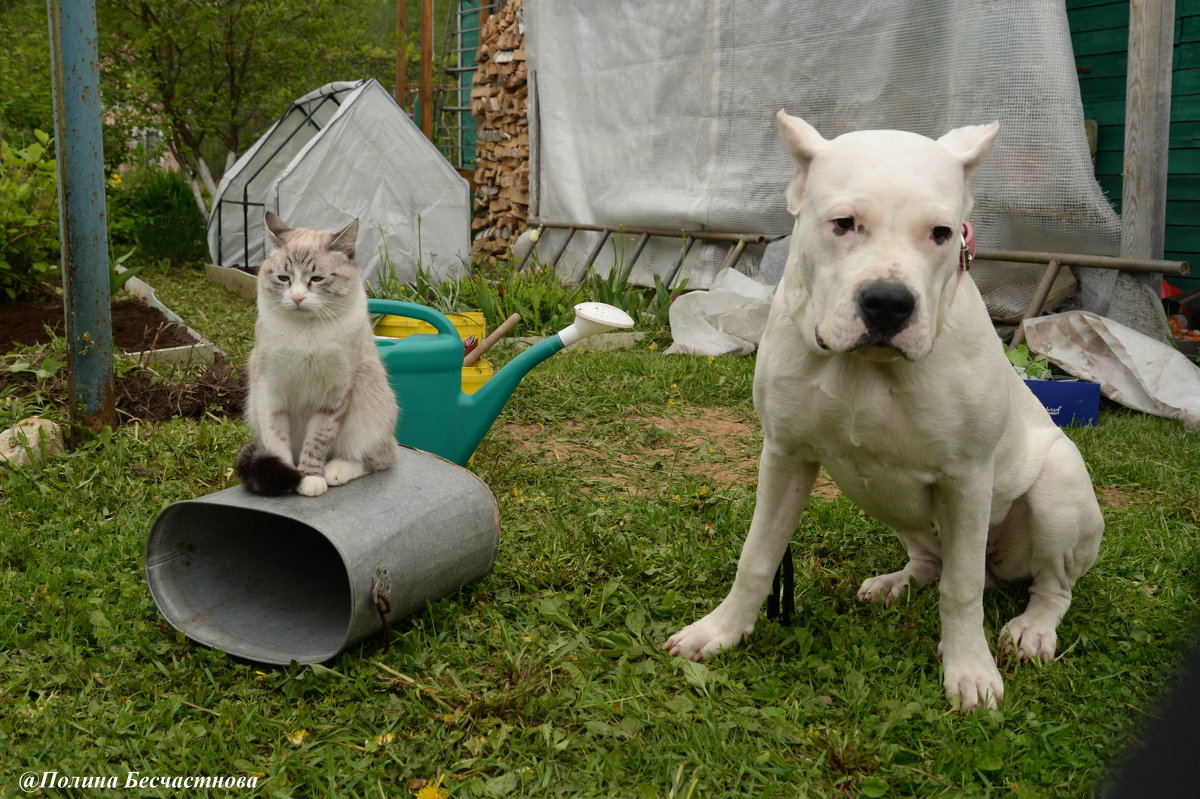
<point>870,347</point>
<point>879,353</point>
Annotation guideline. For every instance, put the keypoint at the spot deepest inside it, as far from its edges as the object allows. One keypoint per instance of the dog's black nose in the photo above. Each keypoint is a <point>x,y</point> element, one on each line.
<point>886,307</point>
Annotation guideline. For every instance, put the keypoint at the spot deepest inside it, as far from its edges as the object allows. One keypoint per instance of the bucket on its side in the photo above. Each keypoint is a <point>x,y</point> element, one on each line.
<point>293,578</point>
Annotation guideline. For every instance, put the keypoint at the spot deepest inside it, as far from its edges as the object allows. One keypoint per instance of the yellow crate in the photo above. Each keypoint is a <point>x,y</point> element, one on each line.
<point>473,377</point>
<point>470,323</point>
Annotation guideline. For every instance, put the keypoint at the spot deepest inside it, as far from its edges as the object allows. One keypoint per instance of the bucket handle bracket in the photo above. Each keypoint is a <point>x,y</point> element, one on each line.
<point>381,589</point>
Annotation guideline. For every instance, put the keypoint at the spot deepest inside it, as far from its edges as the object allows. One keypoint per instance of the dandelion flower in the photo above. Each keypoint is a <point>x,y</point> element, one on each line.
<point>381,740</point>
<point>434,790</point>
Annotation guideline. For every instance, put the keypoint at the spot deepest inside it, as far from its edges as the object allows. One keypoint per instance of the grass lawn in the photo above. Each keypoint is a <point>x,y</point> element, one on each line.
<point>626,484</point>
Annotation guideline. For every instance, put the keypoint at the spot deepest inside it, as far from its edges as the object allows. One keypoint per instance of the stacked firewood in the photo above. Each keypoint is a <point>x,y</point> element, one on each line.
<point>498,101</point>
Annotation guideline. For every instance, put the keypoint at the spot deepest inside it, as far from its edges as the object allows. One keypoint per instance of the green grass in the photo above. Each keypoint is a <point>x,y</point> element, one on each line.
<point>625,483</point>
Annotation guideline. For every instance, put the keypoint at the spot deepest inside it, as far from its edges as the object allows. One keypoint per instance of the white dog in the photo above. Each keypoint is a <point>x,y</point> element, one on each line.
<point>879,362</point>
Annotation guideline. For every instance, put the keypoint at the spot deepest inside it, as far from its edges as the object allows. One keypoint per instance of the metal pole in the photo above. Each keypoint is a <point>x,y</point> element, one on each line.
<point>400,92</point>
<point>426,89</point>
<point>700,235</point>
<point>735,253</point>
<point>1094,261</point>
<point>595,253</point>
<point>75,75</point>
<point>1039,299</point>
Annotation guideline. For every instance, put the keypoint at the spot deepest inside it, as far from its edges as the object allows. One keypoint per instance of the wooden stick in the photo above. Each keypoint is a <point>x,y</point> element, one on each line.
<point>497,334</point>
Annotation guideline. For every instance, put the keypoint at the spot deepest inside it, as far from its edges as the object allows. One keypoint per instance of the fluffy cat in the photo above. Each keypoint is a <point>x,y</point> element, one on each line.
<point>319,402</point>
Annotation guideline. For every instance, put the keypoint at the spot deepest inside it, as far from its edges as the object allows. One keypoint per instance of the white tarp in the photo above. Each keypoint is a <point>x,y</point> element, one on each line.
<point>726,319</point>
<point>1133,369</point>
<point>662,114</point>
<point>342,152</point>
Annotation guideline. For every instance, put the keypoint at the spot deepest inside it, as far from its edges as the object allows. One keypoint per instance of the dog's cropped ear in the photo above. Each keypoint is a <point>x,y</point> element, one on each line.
<point>970,144</point>
<point>277,229</point>
<point>343,240</point>
<point>803,143</point>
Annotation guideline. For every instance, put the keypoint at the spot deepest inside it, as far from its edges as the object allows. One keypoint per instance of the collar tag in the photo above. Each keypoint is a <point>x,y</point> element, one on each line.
<point>967,253</point>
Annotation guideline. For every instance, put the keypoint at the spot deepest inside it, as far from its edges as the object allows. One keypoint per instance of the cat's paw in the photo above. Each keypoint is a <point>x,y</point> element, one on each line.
<point>313,485</point>
<point>340,471</point>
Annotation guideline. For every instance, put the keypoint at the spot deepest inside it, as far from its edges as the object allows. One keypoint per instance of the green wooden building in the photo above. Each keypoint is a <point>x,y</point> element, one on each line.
<point>1100,36</point>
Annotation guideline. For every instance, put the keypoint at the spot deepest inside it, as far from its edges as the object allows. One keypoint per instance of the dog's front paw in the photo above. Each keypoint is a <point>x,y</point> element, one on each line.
<point>706,638</point>
<point>973,682</point>
<point>313,485</point>
<point>1029,638</point>
<point>885,588</point>
<point>340,471</point>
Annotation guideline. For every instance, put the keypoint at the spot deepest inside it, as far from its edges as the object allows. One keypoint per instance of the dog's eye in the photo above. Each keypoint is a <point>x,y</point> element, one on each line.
<point>941,234</point>
<point>843,225</point>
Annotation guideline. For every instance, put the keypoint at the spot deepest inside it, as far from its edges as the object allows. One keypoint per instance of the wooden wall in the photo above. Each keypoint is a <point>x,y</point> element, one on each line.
<point>1100,36</point>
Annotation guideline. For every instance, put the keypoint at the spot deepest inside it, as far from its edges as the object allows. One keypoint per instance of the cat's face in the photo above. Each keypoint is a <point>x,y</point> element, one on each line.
<point>311,271</point>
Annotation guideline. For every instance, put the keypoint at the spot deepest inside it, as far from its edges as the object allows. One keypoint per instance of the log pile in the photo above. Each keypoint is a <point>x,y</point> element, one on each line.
<point>499,101</point>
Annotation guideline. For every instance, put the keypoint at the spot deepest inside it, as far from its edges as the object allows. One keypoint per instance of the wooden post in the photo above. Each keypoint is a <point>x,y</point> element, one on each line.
<point>426,92</point>
<point>1147,128</point>
<point>401,90</point>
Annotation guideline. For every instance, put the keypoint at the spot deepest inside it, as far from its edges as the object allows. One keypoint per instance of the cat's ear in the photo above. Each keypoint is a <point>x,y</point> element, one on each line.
<point>344,239</point>
<point>276,229</point>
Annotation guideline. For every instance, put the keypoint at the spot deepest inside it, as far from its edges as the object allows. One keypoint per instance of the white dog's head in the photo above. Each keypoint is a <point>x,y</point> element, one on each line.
<point>876,243</point>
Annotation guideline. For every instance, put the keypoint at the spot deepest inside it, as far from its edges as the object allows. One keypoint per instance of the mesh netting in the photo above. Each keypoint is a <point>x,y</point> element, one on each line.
<point>661,115</point>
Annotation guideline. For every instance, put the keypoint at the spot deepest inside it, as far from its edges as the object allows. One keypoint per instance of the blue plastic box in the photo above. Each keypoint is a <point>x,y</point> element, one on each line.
<point>1069,401</point>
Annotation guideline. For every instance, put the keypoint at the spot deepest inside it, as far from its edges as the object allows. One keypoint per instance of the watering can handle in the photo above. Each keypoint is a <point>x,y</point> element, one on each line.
<point>413,311</point>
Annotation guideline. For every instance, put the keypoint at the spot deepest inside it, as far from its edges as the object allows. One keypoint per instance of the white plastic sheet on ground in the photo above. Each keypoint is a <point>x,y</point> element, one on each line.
<point>1133,369</point>
<point>727,319</point>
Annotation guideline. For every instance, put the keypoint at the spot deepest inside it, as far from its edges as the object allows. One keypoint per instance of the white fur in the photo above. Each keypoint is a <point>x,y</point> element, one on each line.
<point>930,431</point>
<point>315,374</point>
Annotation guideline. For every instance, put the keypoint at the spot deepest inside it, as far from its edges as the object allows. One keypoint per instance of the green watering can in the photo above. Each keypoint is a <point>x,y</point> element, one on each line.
<point>425,371</point>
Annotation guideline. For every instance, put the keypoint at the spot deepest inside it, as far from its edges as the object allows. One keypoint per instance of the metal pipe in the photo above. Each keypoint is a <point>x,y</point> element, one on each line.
<point>1093,261</point>
<point>637,251</point>
<point>1039,299</point>
<point>562,247</point>
<point>701,235</point>
<point>595,253</point>
<point>735,253</point>
<point>532,246</point>
<point>83,228</point>
<point>425,92</point>
<point>678,266</point>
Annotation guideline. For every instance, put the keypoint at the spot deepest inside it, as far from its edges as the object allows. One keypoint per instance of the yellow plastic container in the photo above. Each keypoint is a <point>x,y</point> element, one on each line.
<point>473,377</point>
<point>470,323</point>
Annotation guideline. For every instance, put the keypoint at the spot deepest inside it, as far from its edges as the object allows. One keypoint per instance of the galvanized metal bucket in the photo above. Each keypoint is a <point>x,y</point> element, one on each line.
<point>292,578</point>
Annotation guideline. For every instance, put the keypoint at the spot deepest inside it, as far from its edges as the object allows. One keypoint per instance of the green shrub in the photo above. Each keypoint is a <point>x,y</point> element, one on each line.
<point>154,210</point>
<point>29,245</point>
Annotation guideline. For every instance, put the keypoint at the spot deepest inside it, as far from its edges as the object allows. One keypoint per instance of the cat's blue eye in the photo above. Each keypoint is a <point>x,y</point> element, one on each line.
<point>316,278</point>
<point>283,278</point>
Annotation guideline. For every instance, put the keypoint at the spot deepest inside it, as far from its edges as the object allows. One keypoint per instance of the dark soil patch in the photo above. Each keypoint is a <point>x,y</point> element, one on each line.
<point>143,394</point>
<point>137,327</point>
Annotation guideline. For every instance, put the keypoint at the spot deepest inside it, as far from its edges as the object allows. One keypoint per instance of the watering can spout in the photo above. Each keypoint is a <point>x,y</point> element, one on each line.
<point>591,318</point>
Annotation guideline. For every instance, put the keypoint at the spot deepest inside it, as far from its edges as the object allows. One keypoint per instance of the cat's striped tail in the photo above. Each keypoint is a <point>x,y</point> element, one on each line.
<point>264,472</point>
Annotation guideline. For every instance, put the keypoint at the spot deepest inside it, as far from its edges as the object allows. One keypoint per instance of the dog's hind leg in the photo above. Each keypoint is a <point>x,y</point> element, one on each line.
<point>784,483</point>
<point>923,565</point>
<point>1064,530</point>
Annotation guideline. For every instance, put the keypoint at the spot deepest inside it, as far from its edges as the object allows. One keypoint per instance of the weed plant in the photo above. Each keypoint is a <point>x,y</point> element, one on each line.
<point>29,247</point>
<point>626,484</point>
<point>153,209</point>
